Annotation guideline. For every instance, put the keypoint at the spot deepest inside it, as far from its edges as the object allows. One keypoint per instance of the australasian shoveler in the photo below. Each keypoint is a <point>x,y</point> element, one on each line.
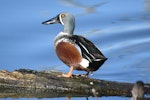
<point>75,51</point>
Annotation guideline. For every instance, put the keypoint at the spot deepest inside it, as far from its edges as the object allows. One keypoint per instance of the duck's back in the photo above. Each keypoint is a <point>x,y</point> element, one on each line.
<point>90,52</point>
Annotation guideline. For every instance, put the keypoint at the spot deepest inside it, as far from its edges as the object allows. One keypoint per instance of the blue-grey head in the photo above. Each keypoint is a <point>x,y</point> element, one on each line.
<point>66,19</point>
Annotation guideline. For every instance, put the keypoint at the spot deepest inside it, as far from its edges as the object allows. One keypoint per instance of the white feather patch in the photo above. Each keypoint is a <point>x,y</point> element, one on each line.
<point>84,63</point>
<point>61,21</point>
<point>62,39</point>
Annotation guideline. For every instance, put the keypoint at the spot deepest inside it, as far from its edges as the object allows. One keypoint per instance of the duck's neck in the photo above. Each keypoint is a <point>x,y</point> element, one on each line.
<point>67,31</point>
<point>69,28</point>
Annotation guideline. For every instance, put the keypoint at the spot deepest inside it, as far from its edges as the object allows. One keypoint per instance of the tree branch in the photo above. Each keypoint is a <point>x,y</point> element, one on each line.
<point>30,83</point>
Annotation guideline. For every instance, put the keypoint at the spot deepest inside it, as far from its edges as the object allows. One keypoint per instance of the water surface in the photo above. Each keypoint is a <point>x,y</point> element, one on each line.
<point>121,29</point>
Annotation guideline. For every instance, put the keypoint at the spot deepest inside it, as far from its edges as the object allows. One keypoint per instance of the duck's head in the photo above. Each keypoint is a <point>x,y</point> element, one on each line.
<point>66,19</point>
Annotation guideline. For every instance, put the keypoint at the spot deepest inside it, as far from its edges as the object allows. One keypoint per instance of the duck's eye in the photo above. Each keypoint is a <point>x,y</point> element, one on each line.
<point>62,15</point>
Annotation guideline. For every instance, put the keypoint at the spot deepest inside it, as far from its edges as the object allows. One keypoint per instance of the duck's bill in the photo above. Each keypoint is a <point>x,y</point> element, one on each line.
<point>52,21</point>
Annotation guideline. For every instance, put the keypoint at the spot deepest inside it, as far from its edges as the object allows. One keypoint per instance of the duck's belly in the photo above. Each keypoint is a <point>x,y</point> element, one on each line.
<point>68,53</point>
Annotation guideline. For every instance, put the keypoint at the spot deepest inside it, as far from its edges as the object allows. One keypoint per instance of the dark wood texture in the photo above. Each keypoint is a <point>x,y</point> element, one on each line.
<point>34,84</point>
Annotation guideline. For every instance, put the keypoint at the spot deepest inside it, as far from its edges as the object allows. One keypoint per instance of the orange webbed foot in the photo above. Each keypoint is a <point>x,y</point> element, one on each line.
<point>67,75</point>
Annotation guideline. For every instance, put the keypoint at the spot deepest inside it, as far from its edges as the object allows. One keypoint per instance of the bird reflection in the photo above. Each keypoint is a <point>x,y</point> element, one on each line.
<point>69,98</point>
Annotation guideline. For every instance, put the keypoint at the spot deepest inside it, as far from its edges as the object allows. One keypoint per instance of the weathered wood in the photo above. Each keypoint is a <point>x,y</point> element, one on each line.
<point>30,83</point>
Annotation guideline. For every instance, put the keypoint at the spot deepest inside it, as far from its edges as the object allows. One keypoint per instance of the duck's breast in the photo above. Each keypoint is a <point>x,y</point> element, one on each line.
<point>68,53</point>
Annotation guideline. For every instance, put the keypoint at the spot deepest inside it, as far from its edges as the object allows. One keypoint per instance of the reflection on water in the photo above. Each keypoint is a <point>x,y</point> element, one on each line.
<point>146,5</point>
<point>119,28</point>
<point>90,8</point>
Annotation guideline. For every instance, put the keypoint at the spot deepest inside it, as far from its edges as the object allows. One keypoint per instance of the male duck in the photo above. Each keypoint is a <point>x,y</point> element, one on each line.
<point>75,51</point>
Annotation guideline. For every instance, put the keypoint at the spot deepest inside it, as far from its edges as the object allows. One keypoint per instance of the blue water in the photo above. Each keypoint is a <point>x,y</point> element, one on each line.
<point>120,28</point>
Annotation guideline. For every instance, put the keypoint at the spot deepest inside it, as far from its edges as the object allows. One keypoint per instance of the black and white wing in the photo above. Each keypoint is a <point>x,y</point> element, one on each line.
<point>90,52</point>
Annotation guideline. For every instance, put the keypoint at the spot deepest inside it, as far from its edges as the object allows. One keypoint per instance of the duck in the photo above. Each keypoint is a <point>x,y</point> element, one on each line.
<point>76,51</point>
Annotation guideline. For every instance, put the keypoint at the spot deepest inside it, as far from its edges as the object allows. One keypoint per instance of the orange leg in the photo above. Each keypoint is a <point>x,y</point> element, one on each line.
<point>69,75</point>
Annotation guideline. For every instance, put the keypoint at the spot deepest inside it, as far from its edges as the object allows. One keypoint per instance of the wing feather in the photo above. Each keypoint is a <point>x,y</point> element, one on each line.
<point>88,49</point>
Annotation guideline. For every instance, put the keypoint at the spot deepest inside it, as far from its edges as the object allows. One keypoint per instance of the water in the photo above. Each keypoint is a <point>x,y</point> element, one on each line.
<point>121,29</point>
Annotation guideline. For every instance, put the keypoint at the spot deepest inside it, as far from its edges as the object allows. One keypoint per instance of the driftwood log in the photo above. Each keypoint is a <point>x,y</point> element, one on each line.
<point>35,84</point>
